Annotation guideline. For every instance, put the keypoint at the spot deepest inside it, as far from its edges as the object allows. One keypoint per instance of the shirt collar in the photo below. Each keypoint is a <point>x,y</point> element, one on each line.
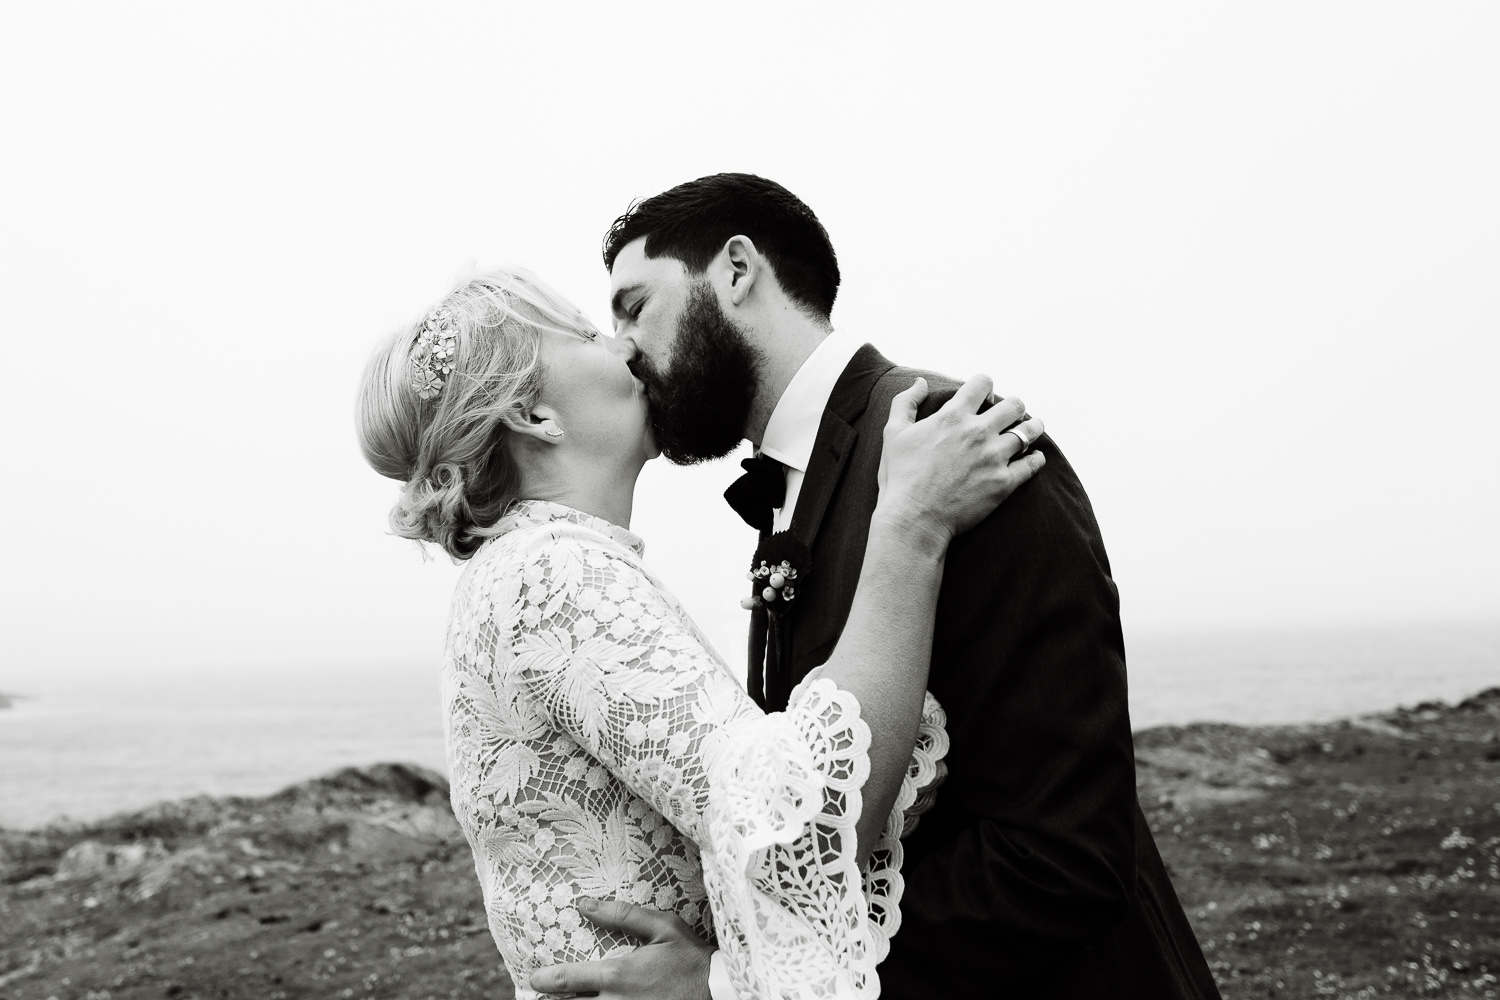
<point>793,427</point>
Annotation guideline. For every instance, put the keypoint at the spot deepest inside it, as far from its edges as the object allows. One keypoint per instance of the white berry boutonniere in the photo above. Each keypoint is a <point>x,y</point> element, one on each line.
<point>778,570</point>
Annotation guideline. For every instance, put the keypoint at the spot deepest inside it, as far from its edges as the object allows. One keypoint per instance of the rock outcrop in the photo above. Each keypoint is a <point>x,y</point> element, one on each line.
<point>1354,859</point>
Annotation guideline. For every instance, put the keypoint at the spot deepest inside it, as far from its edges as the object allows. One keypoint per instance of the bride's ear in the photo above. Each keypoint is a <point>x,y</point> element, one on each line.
<point>539,425</point>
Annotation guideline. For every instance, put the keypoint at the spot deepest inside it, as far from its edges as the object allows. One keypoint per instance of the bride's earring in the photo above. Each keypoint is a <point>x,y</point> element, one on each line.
<point>540,422</point>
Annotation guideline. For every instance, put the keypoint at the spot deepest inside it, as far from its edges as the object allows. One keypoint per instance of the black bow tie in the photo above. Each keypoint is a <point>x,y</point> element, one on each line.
<point>758,492</point>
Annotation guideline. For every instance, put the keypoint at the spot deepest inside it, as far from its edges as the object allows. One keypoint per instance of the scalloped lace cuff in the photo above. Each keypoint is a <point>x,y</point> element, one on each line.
<point>794,915</point>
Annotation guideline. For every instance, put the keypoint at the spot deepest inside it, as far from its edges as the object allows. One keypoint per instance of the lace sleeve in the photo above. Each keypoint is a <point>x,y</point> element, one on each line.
<point>771,800</point>
<point>883,883</point>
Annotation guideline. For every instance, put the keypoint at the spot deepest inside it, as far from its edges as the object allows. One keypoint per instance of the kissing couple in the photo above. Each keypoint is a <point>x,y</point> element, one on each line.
<point>928,789</point>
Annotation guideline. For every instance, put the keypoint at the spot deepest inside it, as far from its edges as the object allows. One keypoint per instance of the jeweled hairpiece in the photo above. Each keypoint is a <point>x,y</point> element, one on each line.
<point>432,361</point>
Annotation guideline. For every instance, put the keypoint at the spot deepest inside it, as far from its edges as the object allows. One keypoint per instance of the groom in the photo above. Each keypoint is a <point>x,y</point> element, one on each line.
<point>1035,874</point>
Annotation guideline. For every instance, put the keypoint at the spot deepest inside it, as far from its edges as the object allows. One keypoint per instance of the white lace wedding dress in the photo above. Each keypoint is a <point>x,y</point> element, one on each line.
<point>599,747</point>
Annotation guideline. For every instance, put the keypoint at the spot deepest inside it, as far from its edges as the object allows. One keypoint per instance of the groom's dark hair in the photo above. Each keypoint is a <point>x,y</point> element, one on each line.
<point>691,222</point>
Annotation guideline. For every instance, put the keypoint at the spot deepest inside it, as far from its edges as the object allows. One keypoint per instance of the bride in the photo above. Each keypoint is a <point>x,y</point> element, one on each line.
<point>598,747</point>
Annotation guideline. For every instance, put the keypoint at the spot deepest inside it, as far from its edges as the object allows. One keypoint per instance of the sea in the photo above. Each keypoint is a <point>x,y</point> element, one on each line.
<point>85,750</point>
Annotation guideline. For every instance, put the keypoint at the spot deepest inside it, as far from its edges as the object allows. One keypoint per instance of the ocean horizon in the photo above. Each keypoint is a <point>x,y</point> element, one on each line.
<point>85,750</point>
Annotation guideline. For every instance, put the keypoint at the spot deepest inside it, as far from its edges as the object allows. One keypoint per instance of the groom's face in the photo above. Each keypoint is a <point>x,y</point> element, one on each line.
<point>697,364</point>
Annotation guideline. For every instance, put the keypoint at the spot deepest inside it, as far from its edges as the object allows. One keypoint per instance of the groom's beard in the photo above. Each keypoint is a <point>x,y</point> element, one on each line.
<point>699,407</point>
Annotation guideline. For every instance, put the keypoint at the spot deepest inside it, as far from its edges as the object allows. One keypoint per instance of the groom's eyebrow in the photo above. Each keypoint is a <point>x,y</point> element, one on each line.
<point>617,302</point>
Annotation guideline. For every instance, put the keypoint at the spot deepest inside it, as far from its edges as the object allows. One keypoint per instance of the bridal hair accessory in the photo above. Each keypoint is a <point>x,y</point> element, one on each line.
<point>778,568</point>
<point>437,343</point>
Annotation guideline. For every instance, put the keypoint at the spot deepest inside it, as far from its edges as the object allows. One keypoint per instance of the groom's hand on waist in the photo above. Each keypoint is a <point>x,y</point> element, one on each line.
<point>673,963</point>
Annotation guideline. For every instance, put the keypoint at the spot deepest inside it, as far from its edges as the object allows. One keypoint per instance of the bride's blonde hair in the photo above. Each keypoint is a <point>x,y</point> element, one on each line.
<point>449,452</point>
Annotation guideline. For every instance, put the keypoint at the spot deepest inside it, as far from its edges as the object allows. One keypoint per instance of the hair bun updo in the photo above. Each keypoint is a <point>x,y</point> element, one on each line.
<point>449,451</point>
<point>433,508</point>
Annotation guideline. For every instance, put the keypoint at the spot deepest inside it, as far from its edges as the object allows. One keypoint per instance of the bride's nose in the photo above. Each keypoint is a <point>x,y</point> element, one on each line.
<point>623,349</point>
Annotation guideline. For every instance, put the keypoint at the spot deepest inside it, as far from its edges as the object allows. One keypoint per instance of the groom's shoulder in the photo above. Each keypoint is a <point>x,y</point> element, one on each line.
<point>898,378</point>
<point>940,388</point>
<point>1055,486</point>
<point>935,380</point>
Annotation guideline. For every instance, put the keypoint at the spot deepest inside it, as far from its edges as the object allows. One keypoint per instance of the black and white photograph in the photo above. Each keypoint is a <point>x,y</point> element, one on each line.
<point>670,501</point>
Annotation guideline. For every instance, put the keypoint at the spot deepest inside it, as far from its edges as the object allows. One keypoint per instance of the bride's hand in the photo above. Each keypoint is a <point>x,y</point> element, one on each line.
<point>945,474</point>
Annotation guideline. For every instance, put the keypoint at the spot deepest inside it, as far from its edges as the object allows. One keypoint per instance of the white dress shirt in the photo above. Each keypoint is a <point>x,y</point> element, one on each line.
<point>793,427</point>
<point>790,435</point>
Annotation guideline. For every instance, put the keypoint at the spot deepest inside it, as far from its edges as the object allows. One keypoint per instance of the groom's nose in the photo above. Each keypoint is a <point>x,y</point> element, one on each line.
<point>624,347</point>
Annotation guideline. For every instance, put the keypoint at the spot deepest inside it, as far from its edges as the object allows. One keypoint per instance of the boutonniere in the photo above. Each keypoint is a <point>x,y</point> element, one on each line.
<point>779,571</point>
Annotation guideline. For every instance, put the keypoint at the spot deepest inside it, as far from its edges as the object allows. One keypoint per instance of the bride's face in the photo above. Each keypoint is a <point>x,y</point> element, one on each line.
<point>601,406</point>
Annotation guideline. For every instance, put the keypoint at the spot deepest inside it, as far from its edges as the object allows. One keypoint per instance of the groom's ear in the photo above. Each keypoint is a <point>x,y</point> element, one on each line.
<point>743,265</point>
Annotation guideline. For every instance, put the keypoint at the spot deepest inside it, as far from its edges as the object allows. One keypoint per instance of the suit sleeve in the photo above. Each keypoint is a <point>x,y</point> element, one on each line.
<point>1038,832</point>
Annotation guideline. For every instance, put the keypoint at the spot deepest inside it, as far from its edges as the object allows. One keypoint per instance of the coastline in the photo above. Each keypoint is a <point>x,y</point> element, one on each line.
<point>92,747</point>
<point>1353,858</point>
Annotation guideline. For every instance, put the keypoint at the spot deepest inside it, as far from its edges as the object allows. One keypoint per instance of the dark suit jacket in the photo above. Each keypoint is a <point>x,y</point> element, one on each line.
<point>1035,875</point>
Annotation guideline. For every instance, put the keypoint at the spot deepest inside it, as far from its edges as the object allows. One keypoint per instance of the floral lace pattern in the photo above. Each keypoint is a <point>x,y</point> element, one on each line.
<point>598,746</point>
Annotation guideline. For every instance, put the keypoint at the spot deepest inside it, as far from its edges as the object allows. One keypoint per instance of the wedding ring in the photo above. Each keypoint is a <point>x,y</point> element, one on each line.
<point>1019,436</point>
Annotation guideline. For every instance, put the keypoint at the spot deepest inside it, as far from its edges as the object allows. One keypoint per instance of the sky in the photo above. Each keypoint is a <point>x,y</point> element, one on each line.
<point>1244,259</point>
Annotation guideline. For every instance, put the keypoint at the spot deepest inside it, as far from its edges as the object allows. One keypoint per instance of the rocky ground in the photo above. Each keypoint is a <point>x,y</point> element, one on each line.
<point>1356,859</point>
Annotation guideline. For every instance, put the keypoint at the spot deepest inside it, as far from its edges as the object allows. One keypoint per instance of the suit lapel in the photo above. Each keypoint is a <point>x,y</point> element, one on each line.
<point>835,441</point>
<point>771,642</point>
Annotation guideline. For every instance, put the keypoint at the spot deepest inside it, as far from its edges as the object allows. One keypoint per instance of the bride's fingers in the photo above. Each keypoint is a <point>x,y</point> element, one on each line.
<point>1003,414</point>
<point>1018,437</point>
<point>970,396</point>
<point>904,407</point>
<point>1021,469</point>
